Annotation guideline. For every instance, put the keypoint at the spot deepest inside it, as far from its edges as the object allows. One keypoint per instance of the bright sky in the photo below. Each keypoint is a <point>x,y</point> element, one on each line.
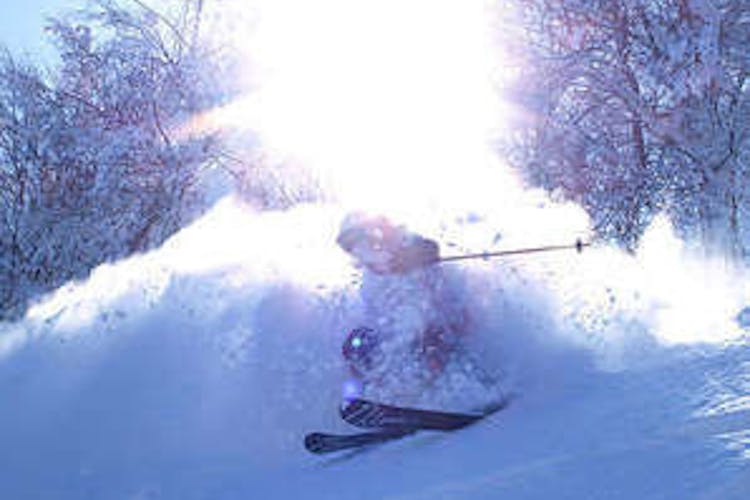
<point>390,102</point>
<point>22,25</point>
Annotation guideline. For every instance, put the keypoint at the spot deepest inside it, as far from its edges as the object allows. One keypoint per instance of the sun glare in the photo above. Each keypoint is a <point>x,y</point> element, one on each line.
<point>389,102</point>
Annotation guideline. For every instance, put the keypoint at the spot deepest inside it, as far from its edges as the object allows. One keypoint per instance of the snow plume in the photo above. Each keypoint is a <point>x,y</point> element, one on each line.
<point>628,309</point>
<point>235,322</point>
<point>231,240</point>
<point>274,286</point>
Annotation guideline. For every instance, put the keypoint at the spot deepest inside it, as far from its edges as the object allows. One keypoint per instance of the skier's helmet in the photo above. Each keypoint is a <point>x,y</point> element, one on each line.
<point>375,231</point>
<point>361,349</point>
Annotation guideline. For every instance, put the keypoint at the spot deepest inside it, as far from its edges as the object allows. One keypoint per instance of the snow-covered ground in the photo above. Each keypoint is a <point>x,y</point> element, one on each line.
<point>194,372</point>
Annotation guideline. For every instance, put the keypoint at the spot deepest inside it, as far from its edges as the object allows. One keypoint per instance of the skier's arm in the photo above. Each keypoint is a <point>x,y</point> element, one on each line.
<point>420,253</point>
<point>384,248</point>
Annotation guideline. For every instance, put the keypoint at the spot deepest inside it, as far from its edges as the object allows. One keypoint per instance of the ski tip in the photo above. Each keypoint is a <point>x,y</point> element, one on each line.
<point>314,443</point>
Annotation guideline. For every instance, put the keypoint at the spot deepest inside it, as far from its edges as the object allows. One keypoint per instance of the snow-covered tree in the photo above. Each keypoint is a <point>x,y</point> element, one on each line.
<point>637,106</point>
<point>90,168</point>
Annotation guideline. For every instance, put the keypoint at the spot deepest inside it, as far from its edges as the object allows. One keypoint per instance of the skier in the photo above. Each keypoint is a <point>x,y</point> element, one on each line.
<point>415,319</point>
<point>416,329</point>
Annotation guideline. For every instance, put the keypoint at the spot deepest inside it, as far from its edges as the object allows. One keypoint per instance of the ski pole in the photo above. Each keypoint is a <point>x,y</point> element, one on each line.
<point>578,246</point>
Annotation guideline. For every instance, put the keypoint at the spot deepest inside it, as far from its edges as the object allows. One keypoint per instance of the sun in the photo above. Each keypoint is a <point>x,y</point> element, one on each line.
<point>390,103</point>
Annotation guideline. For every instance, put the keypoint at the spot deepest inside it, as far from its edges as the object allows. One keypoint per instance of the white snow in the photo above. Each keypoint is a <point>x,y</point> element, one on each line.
<point>193,372</point>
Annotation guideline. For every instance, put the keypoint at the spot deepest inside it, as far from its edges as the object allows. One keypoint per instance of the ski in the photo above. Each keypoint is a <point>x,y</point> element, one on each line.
<point>389,423</point>
<point>321,443</point>
<point>374,415</point>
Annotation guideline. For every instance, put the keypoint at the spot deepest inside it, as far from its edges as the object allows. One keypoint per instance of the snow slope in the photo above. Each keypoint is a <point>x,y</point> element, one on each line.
<point>193,372</point>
